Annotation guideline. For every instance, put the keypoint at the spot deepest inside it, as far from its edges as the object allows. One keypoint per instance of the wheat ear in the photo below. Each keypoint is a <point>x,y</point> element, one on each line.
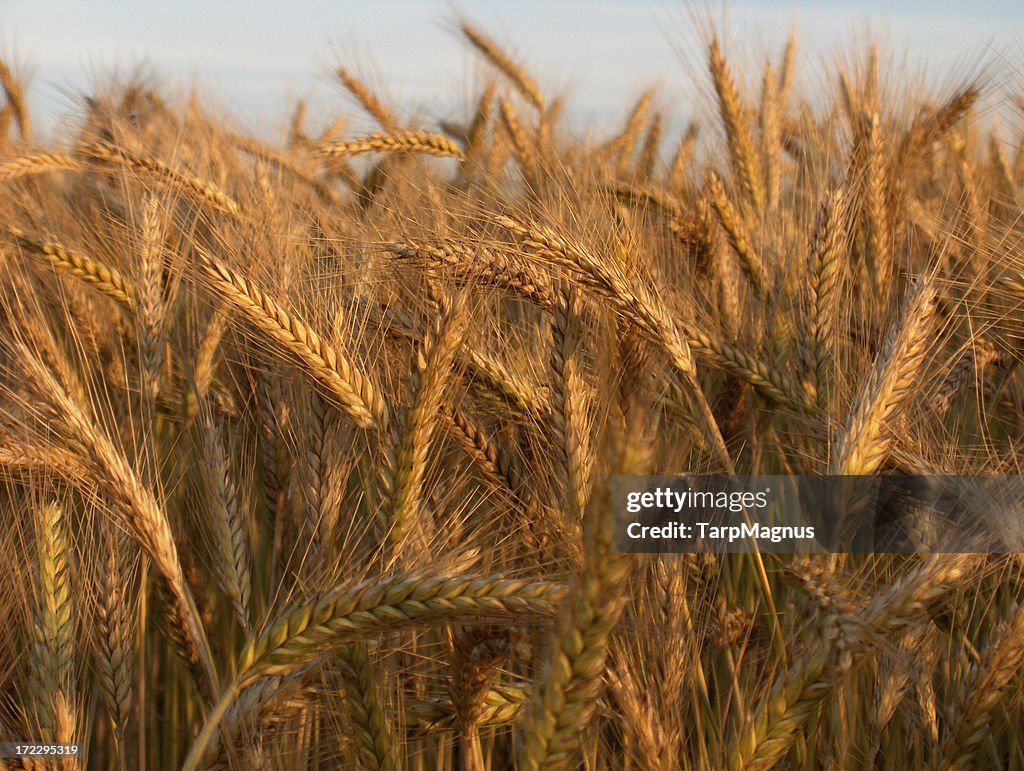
<point>114,635</point>
<point>227,521</point>
<point>737,127</point>
<point>825,266</point>
<point>569,423</point>
<point>423,142</point>
<point>863,443</point>
<point>52,658</point>
<point>151,309</point>
<point>102,277</point>
<point>468,264</point>
<point>350,388</point>
<point>504,63</point>
<point>800,691</point>
<point>635,301</point>
<point>16,100</point>
<point>982,695</point>
<point>188,183</point>
<point>368,100</point>
<point>876,212</point>
<point>771,138</point>
<point>402,476</point>
<point>365,703</point>
<point>564,699</point>
<point>37,163</point>
<point>739,235</point>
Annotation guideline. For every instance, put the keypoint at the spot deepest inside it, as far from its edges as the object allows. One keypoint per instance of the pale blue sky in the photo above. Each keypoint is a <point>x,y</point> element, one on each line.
<point>257,56</point>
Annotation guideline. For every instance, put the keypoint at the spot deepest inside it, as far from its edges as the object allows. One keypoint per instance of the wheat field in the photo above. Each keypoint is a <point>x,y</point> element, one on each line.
<point>306,446</point>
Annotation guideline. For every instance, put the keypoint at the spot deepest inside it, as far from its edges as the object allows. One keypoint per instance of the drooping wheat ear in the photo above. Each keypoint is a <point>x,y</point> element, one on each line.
<point>862,445</point>
<point>424,142</point>
<point>227,521</point>
<point>503,470</point>
<point>114,635</point>
<point>876,211</point>
<point>150,298</point>
<point>52,657</point>
<point>369,101</point>
<point>934,127</point>
<point>190,184</point>
<point>798,693</point>
<point>747,367</point>
<point>105,279</point>
<point>15,100</point>
<point>771,138</point>
<point>496,383</point>
<point>351,389</point>
<point>634,299</point>
<point>135,505</point>
<point>569,420</point>
<point>567,690</point>
<point>244,714</point>
<point>402,476</point>
<point>487,375</point>
<point>41,338</point>
<point>504,63</point>
<point>34,462</point>
<point>37,163</point>
<point>735,228</point>
<point>826,251</point>
<point>983,695</point>
<point>468,263</point>
<point>364,700</point>
<point>740,140</point>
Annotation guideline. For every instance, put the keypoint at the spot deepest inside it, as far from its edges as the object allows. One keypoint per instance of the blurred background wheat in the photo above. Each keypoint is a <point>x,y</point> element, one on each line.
<point>306,446</point>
